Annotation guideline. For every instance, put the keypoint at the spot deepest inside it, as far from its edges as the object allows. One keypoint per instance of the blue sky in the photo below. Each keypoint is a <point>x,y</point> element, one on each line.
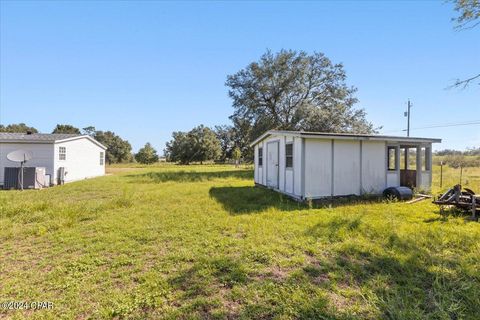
<point>145,69</point>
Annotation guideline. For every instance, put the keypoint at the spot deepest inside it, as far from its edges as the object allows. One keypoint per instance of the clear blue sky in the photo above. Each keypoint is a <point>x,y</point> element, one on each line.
<point>145,69</point>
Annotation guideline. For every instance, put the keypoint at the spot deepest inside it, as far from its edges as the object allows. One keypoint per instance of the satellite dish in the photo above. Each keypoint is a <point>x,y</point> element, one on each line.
<point>19,156</point>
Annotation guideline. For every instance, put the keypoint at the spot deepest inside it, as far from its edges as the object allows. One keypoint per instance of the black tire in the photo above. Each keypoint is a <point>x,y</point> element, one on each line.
<point>391,194</point>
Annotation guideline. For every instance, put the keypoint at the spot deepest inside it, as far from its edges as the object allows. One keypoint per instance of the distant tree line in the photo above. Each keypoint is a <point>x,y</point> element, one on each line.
<point>450,152</point>
<point>17,128</point>
<point>456,158</point>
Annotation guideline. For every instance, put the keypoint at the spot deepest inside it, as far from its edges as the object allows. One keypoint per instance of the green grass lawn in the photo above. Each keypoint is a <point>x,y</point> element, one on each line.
<point>200,242</point>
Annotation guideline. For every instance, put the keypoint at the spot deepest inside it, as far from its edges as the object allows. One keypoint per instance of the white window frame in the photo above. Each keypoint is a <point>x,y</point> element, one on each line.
<point>102,158</point>
<point>62,153</point>
<point>288,156</point>
<point>260,156</point>
<point>395,158</point>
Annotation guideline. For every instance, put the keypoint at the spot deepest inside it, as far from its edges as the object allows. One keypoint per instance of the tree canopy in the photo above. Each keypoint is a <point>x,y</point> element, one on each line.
<point>225,135</point>
<point>90,130</point>
<point>147,154</point>
<point>118,150</point>
<point>198,145</point>
<point>468,18</point>
<point>468,13</point>
<point>293,90</point>
<point>17,128</point>
<point>66,128</point>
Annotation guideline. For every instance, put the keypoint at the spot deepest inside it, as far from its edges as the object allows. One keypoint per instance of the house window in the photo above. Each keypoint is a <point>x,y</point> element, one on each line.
<point>392,158</point>
<point>289,155</point>
<point>101,158</point>
<point>260,157</point>
<point>62,153</point>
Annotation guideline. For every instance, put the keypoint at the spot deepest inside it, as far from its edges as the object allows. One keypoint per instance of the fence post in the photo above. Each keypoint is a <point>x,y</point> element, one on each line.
<point>461,171</point>
<point>441,174</point>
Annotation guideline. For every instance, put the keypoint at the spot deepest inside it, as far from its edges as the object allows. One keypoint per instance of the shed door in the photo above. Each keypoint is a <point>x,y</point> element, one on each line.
<point>272,164</point>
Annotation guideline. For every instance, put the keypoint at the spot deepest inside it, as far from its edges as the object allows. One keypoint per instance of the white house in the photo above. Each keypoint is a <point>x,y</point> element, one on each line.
<point>79,156</point>
<point>310,165</point>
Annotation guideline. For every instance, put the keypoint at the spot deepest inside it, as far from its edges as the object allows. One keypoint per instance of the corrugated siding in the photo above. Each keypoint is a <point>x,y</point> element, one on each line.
<point>297,166</point>
<point>374,165</point>
<point>318,168</point>
<point>346,167</point>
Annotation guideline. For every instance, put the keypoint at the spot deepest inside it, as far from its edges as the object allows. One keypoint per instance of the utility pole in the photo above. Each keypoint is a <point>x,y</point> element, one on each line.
<point>407,114</point>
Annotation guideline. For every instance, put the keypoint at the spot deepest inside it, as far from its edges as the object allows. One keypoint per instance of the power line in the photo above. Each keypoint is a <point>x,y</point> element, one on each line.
<point>469,123</point>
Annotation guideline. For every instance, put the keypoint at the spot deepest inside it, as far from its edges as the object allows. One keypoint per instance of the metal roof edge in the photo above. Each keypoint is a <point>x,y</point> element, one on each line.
<point>344,136</point>
<point>27,141</point>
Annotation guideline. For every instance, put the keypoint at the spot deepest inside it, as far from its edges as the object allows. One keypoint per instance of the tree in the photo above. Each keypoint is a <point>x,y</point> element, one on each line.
<point>66,128</point>
<point>90,130</point>
<point>179,148</point>
<point>200,144</point>
<point>118,150</point>
<point>236,155</point>
<point>147,154</point>
<point>17,128</point>
<point>469,13</point>
<point>205,144</point>
<point>244,133</point>
<point>225,134</point>
<point>237,135</point>
<point>292,90</point>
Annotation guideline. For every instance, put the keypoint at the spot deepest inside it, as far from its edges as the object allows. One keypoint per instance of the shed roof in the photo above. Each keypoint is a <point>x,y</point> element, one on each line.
<point>44,138</point>
<point>345,136</point>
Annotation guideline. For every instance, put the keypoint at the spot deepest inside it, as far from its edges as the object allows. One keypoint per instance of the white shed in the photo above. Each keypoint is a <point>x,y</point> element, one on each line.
<point>81,156</point>
<point>311,165</point>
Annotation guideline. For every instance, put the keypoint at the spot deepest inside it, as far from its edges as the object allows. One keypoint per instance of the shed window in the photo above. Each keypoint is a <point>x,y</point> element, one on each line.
<point>392,158</point>
<point>289,155</point>
<point>260,156</point>
<point>62,153</point>
<point>101,158</point>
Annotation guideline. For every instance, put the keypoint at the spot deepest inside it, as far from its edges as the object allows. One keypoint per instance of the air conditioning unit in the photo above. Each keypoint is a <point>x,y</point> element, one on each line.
<point>33,178</point>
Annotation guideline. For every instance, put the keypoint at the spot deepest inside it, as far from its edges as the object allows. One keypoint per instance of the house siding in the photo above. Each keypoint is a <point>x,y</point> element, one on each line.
<point>82,161</point>
<point>42,156</point>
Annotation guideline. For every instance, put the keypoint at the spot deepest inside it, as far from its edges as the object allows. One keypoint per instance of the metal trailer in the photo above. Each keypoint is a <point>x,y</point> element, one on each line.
<point>465,200</point>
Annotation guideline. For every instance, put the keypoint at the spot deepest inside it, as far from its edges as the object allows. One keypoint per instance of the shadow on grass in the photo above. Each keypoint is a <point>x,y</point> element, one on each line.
<point>189,176</point>
<point>332,230</point>
<point>339,201</point>
<point>245,200</point>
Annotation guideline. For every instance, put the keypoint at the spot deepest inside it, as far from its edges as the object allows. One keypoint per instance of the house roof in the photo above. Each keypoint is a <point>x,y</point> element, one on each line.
<point>44,138</point>
<point>345,136</point>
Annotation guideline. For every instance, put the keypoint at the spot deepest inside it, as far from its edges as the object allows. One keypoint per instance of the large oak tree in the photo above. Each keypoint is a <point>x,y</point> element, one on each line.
<point>293,90</point>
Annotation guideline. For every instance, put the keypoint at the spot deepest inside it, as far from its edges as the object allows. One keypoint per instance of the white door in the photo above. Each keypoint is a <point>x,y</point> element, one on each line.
<point>272,164</point>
